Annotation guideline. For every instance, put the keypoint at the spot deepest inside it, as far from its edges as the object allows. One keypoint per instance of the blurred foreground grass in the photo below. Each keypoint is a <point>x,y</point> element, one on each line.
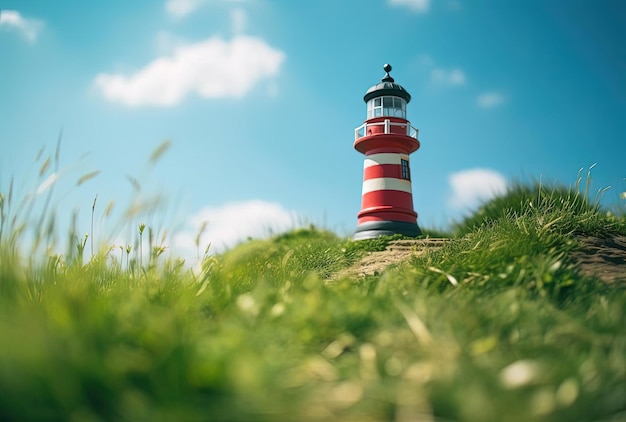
<point>498,325</point>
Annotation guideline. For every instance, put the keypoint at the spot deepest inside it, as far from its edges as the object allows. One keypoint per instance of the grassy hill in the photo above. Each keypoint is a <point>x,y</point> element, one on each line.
<point>500,324</point>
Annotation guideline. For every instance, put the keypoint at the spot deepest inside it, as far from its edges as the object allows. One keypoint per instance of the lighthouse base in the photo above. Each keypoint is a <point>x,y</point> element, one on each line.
<point>373,229</point>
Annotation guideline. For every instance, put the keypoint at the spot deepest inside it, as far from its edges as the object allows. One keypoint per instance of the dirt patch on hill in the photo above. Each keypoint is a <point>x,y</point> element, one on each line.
<point>398,251</point>
<point>604,258</point>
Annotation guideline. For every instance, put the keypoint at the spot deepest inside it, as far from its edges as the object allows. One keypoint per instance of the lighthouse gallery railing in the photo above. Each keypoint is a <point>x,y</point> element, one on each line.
<point>362,131</point>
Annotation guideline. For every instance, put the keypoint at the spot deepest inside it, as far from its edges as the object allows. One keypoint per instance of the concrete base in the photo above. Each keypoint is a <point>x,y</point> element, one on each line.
<point>375,229</point>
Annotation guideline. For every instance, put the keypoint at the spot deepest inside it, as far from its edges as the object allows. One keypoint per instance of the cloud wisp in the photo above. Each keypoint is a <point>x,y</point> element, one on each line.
<point>441,76</point>
<point>231,223</point>
<point>239,20</point>
<point>417,6</point>
<point>451,77</point>
<point>473,186</point>
<point>213,68</point>
<point>182,8</point>
<point>12,20</point>
<point>490,99</point>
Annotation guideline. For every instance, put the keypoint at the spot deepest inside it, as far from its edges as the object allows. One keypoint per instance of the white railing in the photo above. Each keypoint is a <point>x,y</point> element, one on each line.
<point>362,130</point>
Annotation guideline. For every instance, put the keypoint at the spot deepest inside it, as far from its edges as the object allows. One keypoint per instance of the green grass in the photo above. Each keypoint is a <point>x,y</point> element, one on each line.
<point>497,325</point>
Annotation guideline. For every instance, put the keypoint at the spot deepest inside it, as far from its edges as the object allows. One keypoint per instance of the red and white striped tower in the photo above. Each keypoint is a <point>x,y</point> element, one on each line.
<point>386,138</point>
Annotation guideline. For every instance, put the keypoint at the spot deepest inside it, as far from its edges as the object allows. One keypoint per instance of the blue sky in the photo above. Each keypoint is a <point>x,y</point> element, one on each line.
<point>258,101</point>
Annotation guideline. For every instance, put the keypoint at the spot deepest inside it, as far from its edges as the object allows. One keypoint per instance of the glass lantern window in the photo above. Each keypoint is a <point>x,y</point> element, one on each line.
<point>386,106</point>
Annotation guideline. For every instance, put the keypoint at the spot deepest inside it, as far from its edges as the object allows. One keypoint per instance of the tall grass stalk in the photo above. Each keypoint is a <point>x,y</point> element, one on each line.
<point>567,210</point>
<point>93,211</point>
<point>142,227</point>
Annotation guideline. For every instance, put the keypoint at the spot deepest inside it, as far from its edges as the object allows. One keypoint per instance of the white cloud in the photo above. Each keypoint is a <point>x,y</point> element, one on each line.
<point>453,77</point>
<point>213,68</point>
<point>419,6</point>
<point>182,8</point>
<point>232,223</point>
<point>490,99</point>
<point>13,20</point>
<point>473,186</point>
<point>239,20</point>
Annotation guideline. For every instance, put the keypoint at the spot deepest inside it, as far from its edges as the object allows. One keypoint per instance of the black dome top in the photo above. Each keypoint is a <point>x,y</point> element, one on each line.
<point>387,87</point>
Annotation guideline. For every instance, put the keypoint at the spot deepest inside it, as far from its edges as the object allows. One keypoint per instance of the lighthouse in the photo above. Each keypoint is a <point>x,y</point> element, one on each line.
<point>386,138</point>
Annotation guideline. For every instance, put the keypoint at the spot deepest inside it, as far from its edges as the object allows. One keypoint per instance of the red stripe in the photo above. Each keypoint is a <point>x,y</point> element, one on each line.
<point>383,170</point>
<point>387,205</point>
<point>390,198</point>
<point>388,216</point>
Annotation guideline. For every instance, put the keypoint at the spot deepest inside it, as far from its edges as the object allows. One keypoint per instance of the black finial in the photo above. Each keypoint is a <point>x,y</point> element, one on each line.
<point>387,69</point>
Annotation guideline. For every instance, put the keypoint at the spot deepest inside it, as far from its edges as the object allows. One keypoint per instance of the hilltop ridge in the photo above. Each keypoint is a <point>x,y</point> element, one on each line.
<point>600,257</point>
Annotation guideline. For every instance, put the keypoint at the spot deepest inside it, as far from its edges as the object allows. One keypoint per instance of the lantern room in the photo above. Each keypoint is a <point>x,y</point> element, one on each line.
<point>386,106</point>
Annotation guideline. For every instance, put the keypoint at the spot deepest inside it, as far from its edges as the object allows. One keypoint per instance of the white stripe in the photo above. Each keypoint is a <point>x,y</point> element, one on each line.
<point>386,183</point>
<point>384,158</point>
